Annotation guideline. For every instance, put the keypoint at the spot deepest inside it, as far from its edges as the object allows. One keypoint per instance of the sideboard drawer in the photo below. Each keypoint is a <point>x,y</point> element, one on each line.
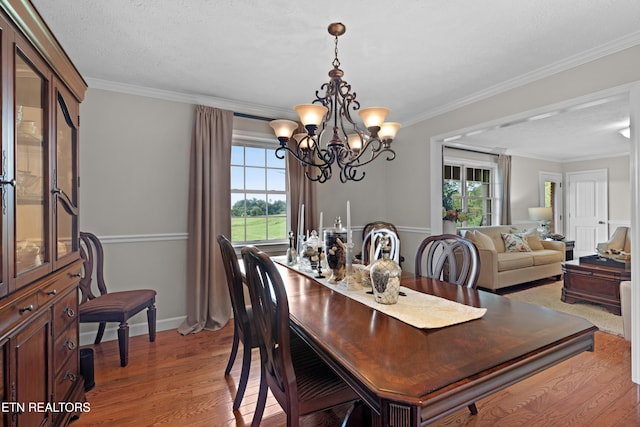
<point>65,345</point>
<point>66,379</point>
<point>65,312</point>
<point>17,311</point>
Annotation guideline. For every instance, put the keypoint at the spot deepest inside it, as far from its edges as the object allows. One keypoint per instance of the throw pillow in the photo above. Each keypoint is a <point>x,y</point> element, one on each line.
<point>533,238</point>
<point>483,241</point>
<point>515,242</point>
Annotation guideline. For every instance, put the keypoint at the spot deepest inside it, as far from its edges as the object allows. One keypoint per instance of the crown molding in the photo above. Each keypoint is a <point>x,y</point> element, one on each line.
<point>210,101</point>
<point>540,73</point>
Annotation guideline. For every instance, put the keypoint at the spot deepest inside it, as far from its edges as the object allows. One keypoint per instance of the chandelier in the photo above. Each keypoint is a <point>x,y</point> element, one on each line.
<point>331,136</point>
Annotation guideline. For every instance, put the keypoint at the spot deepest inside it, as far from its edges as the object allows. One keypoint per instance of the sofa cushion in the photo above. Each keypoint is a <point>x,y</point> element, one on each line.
<point>515,242</point>
<point>481,240</point>
<point>533,238</point>
<point>514,260</point>
<point>547,256</point>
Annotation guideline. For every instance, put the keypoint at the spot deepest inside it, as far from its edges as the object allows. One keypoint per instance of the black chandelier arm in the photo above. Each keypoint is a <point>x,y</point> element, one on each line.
<point>362,160</point>
<point>326,156</point>
<point>349,173</point>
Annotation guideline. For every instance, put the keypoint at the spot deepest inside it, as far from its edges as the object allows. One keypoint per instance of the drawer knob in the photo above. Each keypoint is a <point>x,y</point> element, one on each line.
<point>70,376</point>
<point>52,292</point>
<point>69,311</point>
<point>69,344</point>
<point>27,308</point>
<point>75,274</point>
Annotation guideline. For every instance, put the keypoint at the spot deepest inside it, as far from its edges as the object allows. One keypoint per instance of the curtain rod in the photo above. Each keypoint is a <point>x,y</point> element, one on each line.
<point>251,116</point>
<point>469,150</point>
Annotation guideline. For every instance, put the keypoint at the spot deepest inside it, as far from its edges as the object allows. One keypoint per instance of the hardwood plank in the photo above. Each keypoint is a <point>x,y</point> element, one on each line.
<point>179,380</point>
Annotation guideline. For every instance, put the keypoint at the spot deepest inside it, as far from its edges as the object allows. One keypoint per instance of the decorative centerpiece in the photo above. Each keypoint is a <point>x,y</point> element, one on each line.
<point>337,260</point>
<point>385,276</point>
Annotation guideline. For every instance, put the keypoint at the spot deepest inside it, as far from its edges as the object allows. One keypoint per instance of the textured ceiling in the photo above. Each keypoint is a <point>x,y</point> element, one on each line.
<point>417,57</point>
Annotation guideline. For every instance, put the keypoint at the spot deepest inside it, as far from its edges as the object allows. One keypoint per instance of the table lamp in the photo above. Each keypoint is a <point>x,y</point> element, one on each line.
<point>541,215</point>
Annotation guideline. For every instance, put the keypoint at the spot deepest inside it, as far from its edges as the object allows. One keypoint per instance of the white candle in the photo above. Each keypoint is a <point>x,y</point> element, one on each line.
<point>301,221</point>
<point>348,222</point>
<point>320,228</point>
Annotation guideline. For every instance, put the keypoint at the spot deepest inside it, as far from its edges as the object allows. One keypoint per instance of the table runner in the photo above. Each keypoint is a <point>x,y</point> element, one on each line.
<point>415,308</point>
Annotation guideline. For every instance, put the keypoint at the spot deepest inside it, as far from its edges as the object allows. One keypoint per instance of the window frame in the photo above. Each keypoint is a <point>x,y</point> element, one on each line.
<point>266,141</point>
<point>464,164</point>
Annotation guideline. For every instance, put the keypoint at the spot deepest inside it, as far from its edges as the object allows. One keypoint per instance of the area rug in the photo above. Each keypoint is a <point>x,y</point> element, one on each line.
<point>548,295</point>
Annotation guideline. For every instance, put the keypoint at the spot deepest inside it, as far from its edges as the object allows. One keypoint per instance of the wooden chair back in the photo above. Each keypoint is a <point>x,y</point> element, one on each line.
<point>449,257</point>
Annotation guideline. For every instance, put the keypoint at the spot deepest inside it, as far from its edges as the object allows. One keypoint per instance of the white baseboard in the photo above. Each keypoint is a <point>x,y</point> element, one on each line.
<point>111,332</point>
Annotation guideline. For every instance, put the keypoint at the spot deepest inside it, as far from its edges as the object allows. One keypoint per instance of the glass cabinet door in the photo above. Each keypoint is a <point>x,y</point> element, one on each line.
<point>31,161</point>
<point>66,173</point>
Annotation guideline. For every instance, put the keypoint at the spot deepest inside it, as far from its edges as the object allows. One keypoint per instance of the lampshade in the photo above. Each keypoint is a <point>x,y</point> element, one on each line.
<point>354,141</point>
<point>540,214</point>
<point>283,128</point>
<point>311,114</point>
<point>374,116</point>
<point>388,130</point>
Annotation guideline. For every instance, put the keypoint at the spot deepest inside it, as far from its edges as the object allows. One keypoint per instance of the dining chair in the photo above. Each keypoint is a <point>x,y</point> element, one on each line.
<point>110,306</point>
<point>244,329</point>
<point>452,258</point>
<point>450,255</point>
<point>369,245</point>
<point>298,379</point>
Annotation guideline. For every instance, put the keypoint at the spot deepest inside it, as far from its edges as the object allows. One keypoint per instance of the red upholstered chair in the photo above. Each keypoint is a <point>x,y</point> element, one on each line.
<point>299,380</point>
<point>111,307</point>
<point>244,329</point>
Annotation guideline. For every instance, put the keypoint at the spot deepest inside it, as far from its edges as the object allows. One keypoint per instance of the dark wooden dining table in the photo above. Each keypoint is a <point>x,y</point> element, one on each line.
<point>410,376</point>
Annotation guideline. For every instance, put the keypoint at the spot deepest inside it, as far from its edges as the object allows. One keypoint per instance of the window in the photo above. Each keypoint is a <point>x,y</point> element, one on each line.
<point>470,188</point>
<point>258,192</point>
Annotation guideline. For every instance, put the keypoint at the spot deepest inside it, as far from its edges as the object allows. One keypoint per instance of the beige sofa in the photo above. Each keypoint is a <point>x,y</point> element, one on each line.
<point>500,267</point>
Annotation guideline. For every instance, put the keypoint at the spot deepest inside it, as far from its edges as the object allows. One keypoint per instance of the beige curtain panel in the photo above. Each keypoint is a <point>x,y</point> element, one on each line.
<point>504,172</point>
<point>301,190</point>
<point>208,301</point>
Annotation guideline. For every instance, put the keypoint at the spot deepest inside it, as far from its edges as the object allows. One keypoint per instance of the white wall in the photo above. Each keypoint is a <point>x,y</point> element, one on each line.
<point>134,167</point>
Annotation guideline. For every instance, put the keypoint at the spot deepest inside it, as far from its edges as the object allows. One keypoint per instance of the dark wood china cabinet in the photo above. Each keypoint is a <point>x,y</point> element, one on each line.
<point>40,267</point>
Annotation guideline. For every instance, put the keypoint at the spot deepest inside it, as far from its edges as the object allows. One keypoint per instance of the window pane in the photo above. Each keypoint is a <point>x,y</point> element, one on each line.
<point>276,180</point>
<point>237,217</point>
<point>255,178</point>
<point>273,161</point>
<point>237,155</point>
<point>237,178</point>
<point>255,156</point>
<point>256,218</point>
<point>277,211</point>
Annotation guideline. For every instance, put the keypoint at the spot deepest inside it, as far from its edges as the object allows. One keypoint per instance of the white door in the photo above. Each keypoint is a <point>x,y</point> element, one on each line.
<point>588,209</point>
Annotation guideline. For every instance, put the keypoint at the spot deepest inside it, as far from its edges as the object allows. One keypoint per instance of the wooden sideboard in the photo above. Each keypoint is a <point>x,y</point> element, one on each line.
<point>40,265</point>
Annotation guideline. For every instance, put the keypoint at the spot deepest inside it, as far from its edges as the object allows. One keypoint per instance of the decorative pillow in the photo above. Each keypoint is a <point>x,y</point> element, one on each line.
<point>483,241</point>
<point>515,242</point>
<point>533,238</point>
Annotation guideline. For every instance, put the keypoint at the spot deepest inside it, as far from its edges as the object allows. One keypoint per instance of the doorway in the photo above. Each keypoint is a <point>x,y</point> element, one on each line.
<point>552,196</point>
<point>588,209</point>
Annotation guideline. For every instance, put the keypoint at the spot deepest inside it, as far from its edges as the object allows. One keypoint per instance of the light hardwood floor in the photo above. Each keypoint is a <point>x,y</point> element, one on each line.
<point>179,380</point>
